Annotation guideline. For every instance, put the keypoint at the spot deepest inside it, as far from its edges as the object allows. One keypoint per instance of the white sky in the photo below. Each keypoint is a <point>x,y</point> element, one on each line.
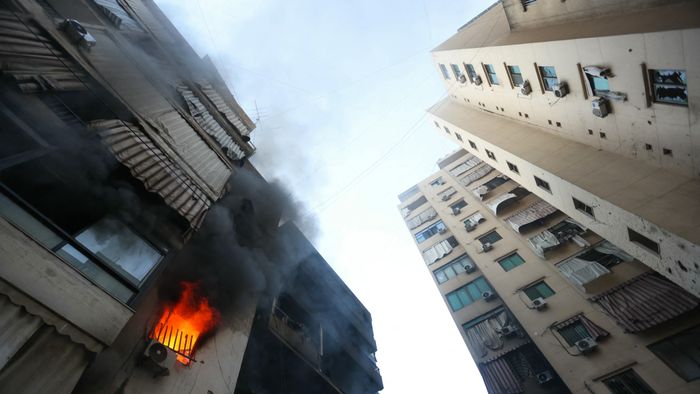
<point>341,88</point>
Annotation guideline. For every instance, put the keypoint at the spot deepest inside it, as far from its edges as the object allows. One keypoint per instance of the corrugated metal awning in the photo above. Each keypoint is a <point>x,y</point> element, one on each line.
<point>645,301</point>
<point>154,168</point>
<point>476,175</point>
<point>209,124</point>
<point>32,59</point>
<point>421,218</point>
<point>500,378</point>
<point>539,210</point>
<point>467,165</point>
<point>223,107</point>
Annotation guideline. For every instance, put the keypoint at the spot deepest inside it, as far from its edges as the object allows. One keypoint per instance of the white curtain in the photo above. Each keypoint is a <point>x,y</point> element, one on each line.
<point>422,217</point>
<point>580,272</point>
<point>608,248</point>
<point>466,166</point>
<point>476,175</point>
<point>437,251</point>
<point>476,218</point>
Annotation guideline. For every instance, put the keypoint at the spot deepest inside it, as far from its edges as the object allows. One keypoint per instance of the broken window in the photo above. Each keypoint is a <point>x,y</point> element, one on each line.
<point>669,86</point>
<point>549,77</point>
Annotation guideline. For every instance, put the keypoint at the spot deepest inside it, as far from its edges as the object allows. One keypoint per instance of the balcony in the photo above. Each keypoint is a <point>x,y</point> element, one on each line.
<point>297,335</point>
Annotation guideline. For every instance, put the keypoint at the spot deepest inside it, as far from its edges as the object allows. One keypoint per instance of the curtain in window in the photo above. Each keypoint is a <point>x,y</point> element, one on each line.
<point>645,301</point>
<point>580,272</point>
<point>445,195</point>
<point>539,210</point>
<point>485,336</point>
<point>500,378</point>
<point>578,324</point>
<point>543,242</point>
<point>422,217</point>
<point>470,163</point>
<point>437,251</point>
<point>608,248</point>
<point>476,175</point>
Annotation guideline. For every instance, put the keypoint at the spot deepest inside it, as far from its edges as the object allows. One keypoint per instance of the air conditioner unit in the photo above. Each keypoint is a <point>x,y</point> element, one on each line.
<point>486,247</point>
<point>469,226</point>
<point>469,268</point>
<point>456,211</point>
<point>462,79</point>
<point>600,107</point>
<point>445,197</point>
<point>442,231</point>
<point>477,80</point>
<point>586,345</point>
<point>488,296</point>
<point>539,303</point>
<point>161,356</point>
<point>526,88</point>
<point>544,377</point>
<point>508,331</point>
<point>77,33</point>
<point>561,89</point>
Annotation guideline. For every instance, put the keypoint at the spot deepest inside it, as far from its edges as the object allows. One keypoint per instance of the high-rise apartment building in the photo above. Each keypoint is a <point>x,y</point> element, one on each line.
<point>595,104</point>
<point>137,241</point>
<point>564,238</point>
<point>543,302</point>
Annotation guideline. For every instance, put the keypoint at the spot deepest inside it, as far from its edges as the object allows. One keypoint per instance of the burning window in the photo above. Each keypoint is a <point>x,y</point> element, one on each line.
<point>183,323</point>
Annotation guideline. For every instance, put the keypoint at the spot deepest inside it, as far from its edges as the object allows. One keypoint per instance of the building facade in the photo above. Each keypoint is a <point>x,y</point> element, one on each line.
<point>543,302</point>
<point>595,104</point>
<point>122,155</point>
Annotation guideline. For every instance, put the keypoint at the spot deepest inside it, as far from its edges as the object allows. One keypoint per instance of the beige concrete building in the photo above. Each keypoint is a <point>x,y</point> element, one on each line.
<point>543,302</point>
<point>592,106</point>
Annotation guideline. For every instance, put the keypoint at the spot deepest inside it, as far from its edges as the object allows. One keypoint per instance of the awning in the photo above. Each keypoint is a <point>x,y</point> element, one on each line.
<point>154,168</point>
<point>482,190</point>
<point>224,108</point>
<point>543,242</point>
<point>517,193</point>
<point>421,218</point>
<point>476,175</point>
<point>470,163</point>
<point>486,339</point>
<point>500,378</point>
<point>579,271</point>
<point>645,301</point>
<point>475,218</point>
<point>437,251</point>
<point>539,210</point>
<point>447,193</point>
<point>31,58</point>
<point>200,113</point>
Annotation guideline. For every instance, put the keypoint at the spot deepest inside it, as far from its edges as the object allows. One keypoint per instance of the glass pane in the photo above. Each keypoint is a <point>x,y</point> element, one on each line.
<point>514,69</point>
<point>466,298</point>
<point>22,219</point>
<point>549,83</point>
<point>105,280</point>
<point>544,290</point>
<point>482,285</point>
<point>600,84</point>
<point>119,246</point>
<point>454,301</point>
<point>458,267</point>
<point>440,276</point>
<point>450,273</point>
<point>474,291</point>
<point>517,79</point>
<point>506,264</point>
<point>547,71</point>
<point>444,71</point>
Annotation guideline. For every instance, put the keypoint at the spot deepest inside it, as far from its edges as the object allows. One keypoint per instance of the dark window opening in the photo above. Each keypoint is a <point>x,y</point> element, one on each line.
<point>681,353</point>
<point>459,137</point>
<point>641,240</point>
<point>542,184</point>
<point>490,238</point>
<point>490,155</point>
<point>580,206</point>
<point>443,69</point>
<point>627,382</point>
<point>538,290</point>
<point>669,86</point>
<point>513,167</point>
<point>472,144</point>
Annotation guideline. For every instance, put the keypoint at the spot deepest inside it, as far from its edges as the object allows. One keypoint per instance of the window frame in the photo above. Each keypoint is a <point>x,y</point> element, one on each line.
<point>542,184</point>
<point>480,238</point>
<point>678,349</point>
<point>457,262</point>
<point>539,293</point>
<point>513,167</point>
<point>653,86</point>
<point>471,71</point>
<point>547,79</point>
<point>491,76</point>
<point>576,328</point>
<point>583,207</point>
<point>473,145</point>
<point>514,75</point>
<point>641,237</point>
<point>467,291</point>
<point>445,73</point>
<point>507,258</point>
<point>428,232</point>
<point>459,137</point>
<point>632,374</point>
<point>490,155</point>
<point>456,71</point>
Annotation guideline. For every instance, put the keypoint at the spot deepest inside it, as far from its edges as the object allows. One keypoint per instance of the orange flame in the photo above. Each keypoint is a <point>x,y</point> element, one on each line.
<point>181,324</point>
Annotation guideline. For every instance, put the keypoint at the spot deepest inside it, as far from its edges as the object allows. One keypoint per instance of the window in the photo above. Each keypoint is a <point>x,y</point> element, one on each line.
<point>627,382</point>
<point>542,184</point>
<point>641,240</point>
<point>513,167</point>
<point>443,69</point>
<point>447,130</point>
<point>470,72</point>
<point>515,75</point>
<point>511,261</point>
<point>549,77</point>
<point>538,290</point>
<point>458,205</point>
<point>669,86</point>
<point>459,137</point>
<point>437,182</point>
<point>491,74</point>
<point>588,210</point>
<point>453,268</point>
<point>468,294</point>
<point>574,332</point>
<point>490,238</point>
<point>456,71</point>
<point>436,124</point>
<point>472,144</point>
<point>490,155</point>
<point>433,229</point>
<point>681,352</point>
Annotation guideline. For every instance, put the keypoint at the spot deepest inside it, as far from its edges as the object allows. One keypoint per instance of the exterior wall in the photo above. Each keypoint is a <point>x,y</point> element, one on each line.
<point>582,373</point>
<point>623,194</point>
<point>629,127</point>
